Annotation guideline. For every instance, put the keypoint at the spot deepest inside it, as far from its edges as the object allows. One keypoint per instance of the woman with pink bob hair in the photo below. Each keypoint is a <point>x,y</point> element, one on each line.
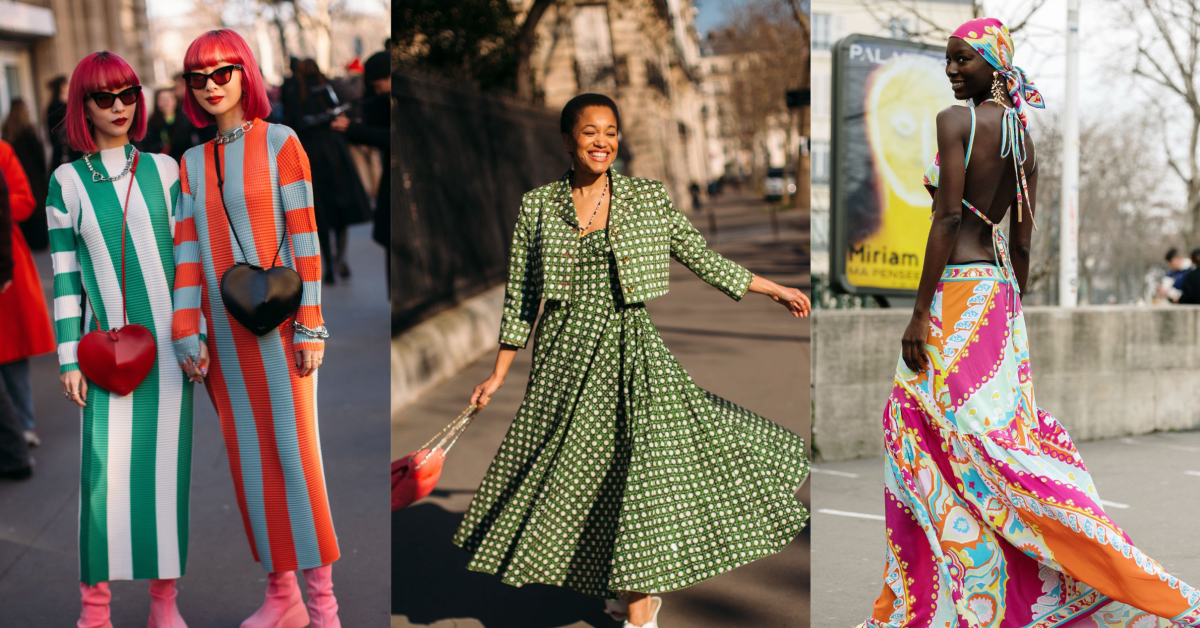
<point>111,218</point>
<point>246,198</point>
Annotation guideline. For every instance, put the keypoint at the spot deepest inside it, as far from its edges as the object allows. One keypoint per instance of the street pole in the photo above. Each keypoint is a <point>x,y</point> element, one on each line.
<point>1068,237</point>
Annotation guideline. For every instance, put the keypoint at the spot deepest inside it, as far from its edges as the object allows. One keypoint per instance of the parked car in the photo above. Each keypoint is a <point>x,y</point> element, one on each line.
<point>773,185</point>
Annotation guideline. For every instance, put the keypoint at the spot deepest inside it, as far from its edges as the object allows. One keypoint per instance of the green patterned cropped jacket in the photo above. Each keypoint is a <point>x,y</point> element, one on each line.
<point>644,227</point>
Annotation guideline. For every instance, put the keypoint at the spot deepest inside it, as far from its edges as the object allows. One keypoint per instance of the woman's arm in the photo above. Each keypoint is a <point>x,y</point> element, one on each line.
<point>690,249</point>
<point>947,217</point>
<point>792,298</point>
<point>20,196</point>
<point>504,359</point>
<point>1022,233</point>
<point>523,291</point>
<point>187,321</point>
<point>68,289</point>
<point>522,296</point>
<point>295,189</point>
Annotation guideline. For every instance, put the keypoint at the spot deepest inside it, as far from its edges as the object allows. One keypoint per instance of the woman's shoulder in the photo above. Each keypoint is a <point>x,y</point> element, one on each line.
<point>640,187</point>
<point>166,165</point>
<point>66,173</point>
<point>163,160</point>
<point>194,156</point>
<point>954,115</point>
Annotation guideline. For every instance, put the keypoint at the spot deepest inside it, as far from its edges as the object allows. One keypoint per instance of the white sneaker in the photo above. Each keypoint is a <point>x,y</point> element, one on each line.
<point>653,623</point>
<point>32,439</point>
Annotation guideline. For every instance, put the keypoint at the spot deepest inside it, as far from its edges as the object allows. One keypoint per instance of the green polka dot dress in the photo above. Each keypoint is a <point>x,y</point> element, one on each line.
<point>619,473</point>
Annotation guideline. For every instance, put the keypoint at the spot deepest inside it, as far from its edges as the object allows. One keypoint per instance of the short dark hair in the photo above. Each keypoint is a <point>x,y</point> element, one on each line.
<point>574,108</point>
<point>1195,254</point>
<point>1172,253</point>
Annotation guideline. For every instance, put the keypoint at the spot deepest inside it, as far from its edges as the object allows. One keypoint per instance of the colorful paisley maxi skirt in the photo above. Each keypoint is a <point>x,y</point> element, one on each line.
<point>992,519</point>
<point>619,473</point>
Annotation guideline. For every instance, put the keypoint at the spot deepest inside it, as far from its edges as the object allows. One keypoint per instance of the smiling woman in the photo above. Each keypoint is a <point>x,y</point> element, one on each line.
<point>614,449</point>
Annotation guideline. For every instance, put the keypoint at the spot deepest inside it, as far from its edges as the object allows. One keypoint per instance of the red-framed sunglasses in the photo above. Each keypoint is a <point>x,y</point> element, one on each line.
<point>220,76</point>
<point>104,100</point>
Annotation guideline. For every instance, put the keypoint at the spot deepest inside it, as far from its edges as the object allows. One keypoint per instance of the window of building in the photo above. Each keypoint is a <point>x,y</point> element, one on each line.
<point>822,31</point>
<point>594,64</point>
<point>820,163</point>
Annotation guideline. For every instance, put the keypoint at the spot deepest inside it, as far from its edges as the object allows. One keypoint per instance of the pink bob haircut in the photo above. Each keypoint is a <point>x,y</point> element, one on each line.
<point>225,47</point>
<point>99,71</point>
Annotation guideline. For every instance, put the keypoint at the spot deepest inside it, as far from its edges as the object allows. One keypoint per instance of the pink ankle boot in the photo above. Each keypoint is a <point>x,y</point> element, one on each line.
<point>283,608</point>
<point>94,613</point>
<point>163,611</point>
<point>322,606</point>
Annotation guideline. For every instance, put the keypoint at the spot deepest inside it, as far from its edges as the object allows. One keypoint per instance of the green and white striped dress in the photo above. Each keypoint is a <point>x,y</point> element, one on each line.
<point>137,449</point>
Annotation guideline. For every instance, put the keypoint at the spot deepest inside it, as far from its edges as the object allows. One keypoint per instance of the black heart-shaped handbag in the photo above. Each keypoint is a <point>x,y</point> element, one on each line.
<point>261,299</point>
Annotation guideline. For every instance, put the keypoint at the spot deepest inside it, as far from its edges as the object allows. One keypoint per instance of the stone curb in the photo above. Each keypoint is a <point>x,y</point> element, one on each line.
<point>440,347</point>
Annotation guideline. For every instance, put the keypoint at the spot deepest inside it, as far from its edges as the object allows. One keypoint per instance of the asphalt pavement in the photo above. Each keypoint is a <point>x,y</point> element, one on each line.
<point>1150,486</point>
<point>752,353</point>
<point>223,585</point>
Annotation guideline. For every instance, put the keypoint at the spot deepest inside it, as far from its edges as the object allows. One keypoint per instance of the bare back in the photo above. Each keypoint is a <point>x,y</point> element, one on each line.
<point>990,183</point>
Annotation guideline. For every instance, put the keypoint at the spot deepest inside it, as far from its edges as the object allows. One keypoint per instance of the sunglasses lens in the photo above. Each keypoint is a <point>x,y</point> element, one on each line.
<point>103,100</point>
<point>129,96</point>
<point>222,76</point>
<point>196,81</point>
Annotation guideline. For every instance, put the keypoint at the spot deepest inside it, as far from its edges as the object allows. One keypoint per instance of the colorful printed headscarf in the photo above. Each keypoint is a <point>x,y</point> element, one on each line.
<point>989,37</point>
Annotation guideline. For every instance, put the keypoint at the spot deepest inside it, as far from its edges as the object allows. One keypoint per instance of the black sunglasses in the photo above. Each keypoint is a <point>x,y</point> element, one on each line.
<point>220,76</point>
<point>104,100</point>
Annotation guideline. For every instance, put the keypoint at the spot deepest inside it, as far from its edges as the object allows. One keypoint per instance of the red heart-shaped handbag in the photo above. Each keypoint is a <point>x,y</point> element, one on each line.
<point>119,359</point>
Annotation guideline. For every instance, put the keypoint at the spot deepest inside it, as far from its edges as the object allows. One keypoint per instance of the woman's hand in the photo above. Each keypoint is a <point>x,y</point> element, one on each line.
<point>792,298</point>
<point>74,386</point>
<point>913,343</point>
<point>197,370</point>
<point>308,360</point>
<point>483,392</point>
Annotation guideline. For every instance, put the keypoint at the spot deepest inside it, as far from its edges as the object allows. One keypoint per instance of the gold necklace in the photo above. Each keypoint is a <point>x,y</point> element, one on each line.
<point>607,182</point>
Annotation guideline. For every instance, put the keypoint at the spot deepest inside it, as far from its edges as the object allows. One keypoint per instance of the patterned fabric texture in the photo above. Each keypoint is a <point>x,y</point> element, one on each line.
<point>135,470</point>
<point>992,517</point>
<point>991,39</point>
<point>268,412</point>
<point>618,472</point>
<point>645,232</point>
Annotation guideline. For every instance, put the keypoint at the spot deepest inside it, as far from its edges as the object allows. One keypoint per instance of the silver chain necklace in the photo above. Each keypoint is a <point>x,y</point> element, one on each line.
<point>607,182</point>
<point>234,134</point>
<point>97,177</point>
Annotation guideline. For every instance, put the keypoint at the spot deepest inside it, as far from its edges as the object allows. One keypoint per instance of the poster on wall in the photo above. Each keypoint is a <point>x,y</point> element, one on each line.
<point>886,97</point>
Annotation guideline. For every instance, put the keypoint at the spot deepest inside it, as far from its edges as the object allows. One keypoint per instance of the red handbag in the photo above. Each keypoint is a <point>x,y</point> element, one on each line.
<point>415,475</point>
<point>119,359</point>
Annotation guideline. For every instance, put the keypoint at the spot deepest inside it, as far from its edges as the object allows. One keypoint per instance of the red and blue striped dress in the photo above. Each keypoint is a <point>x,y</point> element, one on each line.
<point>268,412</point>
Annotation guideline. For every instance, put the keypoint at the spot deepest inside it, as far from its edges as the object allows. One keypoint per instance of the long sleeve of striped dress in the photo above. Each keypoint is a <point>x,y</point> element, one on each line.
<point>268,412</point>
<point>135,469</point>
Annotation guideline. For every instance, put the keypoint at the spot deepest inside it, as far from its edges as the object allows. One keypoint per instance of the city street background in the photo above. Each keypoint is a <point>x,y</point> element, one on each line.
<point>1150,486</point>
<point>39,567</point>
<point>752,353</point>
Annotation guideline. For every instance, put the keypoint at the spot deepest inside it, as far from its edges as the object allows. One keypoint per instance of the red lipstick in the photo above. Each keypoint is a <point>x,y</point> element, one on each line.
<point>212,100</point>
<point>120,121</point>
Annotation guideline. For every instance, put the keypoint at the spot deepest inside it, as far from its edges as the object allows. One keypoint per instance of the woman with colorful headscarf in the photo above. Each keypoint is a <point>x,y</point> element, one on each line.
<point>992,518</point>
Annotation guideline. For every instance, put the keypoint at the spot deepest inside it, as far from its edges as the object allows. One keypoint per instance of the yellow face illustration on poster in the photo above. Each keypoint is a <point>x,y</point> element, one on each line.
<point>900,102</point>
